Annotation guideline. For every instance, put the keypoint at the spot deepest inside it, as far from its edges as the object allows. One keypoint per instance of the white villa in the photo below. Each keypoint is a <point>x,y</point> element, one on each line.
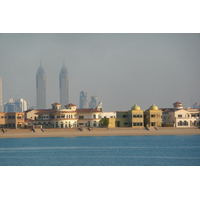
<point>70,117</point>
<point>180,117</point>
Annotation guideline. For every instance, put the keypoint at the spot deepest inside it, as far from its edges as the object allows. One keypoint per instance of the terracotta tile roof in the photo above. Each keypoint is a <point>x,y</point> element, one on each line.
<point>50,111</point>
<point>56,103</point>
<point>177,103</point>
<point>70,104</point>
<point>87,110</point>
<point>166,109</point>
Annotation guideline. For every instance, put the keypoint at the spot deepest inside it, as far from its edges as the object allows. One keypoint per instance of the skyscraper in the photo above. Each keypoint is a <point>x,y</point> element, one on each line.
<point>1,105</point>
<point>83,100</point>
<point>94,102</point>
<point>64,86</point>
<point>18,105</point>
<point>41,88</point>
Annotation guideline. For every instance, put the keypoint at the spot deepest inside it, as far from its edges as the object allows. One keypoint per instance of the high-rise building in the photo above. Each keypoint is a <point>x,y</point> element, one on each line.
<point>94,102</point>
<point>19,105</point>
<point>64,86</point>
<point>83,100</point>
<point>196,105</point>
<point>1,105</point>
<point>41,88</point>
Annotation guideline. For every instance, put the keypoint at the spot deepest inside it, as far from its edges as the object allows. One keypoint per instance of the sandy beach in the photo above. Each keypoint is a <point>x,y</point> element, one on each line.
<point>26,133</point>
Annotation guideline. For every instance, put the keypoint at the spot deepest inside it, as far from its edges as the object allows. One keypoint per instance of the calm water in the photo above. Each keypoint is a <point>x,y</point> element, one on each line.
<point>102,151</point>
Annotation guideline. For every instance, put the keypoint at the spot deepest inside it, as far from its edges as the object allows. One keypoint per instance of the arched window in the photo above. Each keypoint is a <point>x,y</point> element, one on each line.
<point>185,123</point>
<point>180,123</point>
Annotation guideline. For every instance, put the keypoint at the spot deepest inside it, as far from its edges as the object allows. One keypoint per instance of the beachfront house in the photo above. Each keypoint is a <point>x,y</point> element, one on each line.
<point>70,117</point>
<point>180,117</point>
<point>153,117</point>
<point>12,119</point>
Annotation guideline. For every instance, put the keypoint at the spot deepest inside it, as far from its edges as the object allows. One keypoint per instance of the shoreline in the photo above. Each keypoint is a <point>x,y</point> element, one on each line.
<point>26,133</point>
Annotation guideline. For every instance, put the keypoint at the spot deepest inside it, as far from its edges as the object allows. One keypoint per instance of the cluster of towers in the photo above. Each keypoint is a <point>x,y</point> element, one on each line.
<point>64,90</point>
<point>41,87</point>
<point>83,103</point>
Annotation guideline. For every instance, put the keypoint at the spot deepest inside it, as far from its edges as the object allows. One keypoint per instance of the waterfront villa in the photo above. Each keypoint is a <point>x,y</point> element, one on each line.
<point>12,119</point>
<point>153,116</point>
<point>70,117</point>
<point>136,118</point>
<point>180,117</point>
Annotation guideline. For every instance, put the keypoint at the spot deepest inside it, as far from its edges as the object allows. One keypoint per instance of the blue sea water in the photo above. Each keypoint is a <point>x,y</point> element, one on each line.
<point>169,150</point>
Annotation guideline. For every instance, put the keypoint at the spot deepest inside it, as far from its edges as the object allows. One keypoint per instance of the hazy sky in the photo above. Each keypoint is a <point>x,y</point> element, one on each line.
<point>121,69</point>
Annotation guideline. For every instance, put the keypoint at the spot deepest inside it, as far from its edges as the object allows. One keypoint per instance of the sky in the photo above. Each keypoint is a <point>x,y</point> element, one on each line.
<point>120,68</point>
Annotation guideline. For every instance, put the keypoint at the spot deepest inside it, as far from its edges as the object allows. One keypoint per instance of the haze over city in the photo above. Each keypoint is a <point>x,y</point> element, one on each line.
<point>121,69</point>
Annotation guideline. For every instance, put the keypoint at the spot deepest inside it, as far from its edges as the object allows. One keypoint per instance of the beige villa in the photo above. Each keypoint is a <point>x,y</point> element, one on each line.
<point>70,117</point>
<point>180,117</point>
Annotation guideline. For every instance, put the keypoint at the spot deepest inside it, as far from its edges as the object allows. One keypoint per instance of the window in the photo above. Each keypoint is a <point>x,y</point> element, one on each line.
<point>94,116</point>
<point>124,116</point>
<point>125,123</point>
<point>193,116</point>
<point>180,123</point>
<point>11,117</point>
<point>179,115</point>
<point>81,117</point>
<point>153,116</point>
<point>137,124</point>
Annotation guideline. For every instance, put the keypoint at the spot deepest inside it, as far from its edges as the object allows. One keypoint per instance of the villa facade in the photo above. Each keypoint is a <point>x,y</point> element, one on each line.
<point>70,117</point>
<point>137,118</point>
<point>180,117</point>
<point>12,119</point>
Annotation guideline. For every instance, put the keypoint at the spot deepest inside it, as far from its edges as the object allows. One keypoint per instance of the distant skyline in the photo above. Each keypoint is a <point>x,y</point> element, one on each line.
<point>121,69</point>
<point>64,86</point>
<point>41,88</point>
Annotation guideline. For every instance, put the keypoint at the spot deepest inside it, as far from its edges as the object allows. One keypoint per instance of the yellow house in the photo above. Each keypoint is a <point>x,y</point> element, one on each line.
<point>153,116</point>
<point>122,119</point>
<point>12,119</point>
<point>136,117</point>
<point>132,118</point>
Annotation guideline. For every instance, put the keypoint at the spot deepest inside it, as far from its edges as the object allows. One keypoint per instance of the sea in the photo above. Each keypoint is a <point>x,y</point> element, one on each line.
<point>165,150</point>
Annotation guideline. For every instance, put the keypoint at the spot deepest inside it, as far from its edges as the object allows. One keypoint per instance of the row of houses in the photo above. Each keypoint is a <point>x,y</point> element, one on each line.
<point>72,117</point>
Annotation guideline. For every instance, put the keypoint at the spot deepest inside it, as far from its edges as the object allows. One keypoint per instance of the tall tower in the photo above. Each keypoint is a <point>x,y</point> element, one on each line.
<point>64,86</point>
<point>41,88</point>
<point>1,105</point>
<point>94,102</point>
<point>83,100</point>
